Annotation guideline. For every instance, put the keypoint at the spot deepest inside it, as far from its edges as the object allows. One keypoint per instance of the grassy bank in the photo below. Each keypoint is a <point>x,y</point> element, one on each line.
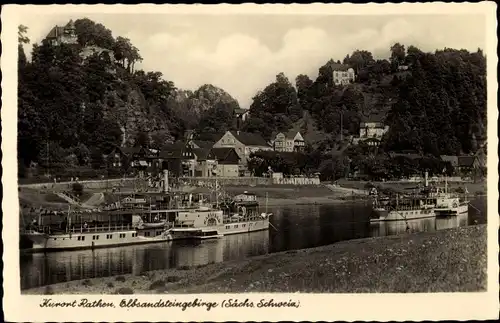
<point>451,260</point>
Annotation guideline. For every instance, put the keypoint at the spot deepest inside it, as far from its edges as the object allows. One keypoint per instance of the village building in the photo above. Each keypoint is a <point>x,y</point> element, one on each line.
<point>179,159</point>
<point>244,143</point>
<point>228,162</point>
<point>141,159</point>
<point>206,162</point>
<point>342,74</point>
<point>291,141</point>
<point>371,130</point>
<point>62,35</point>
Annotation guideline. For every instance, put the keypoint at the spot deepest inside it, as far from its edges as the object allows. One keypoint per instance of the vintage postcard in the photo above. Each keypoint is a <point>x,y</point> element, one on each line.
<point>250,162</point>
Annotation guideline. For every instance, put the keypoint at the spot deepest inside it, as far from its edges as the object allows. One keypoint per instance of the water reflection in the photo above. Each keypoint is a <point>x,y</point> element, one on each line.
<point>42,269</point>
<point>418,225</point>
<point>297,227</point>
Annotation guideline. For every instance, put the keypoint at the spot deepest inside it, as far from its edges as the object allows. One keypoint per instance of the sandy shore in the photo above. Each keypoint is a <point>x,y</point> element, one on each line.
<point>451,260</point>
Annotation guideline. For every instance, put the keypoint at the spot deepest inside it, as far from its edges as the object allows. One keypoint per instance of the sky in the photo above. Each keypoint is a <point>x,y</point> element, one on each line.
<point>243,54</point>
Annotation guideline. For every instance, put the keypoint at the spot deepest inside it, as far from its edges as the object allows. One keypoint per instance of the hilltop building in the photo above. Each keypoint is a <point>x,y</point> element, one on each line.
<point>62,35</point>
<point>342,74</point>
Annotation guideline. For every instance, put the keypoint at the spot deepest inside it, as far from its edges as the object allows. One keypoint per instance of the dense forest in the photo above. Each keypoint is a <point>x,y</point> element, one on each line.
<point>74,108</point>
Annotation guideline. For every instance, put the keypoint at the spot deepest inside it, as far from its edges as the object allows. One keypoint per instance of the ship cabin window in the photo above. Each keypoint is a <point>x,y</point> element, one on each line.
<point>55,238</point>
<point>146,234</point>
<point>82,238</point>
<point>236,226</point>
<point>243,225</point>
<point>134,235</point>
<point>158,233</point>
<point>227,226</point>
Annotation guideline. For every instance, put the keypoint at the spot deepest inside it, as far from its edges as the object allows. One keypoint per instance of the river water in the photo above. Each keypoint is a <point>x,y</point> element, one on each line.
<point>296,227</point>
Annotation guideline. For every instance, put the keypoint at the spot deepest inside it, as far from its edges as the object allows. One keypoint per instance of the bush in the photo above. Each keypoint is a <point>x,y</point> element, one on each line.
<point>120,279</point>
<point>110,285</point>
<point>87,282</point>
<point>124,291</point>
<point>77,189</point>
<point>157,284</point>
<point>173,279</point>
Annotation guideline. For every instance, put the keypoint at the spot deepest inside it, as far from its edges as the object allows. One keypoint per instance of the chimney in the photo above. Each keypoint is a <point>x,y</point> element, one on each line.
<point>165,181</point>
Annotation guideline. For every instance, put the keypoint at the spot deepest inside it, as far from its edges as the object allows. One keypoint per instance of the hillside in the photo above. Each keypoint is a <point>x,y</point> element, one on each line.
<point>80,100</point>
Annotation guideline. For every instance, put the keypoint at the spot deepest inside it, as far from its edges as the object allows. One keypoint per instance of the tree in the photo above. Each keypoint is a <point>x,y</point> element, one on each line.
<point>91,34</point>
<point>277,104</point>
<point>126,53</point>
<point>21,40</point>
<point>398,55</point>
<point>359,59</point>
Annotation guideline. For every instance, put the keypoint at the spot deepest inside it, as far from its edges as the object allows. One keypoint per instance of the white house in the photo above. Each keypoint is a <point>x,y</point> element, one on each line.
<point>342,74</point>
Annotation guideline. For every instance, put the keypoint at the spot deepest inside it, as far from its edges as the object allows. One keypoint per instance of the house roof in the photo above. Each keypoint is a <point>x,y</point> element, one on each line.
<point>374,118</point>
<point>55,32</point>
<point>222,153</point>
<point>203,143</point>
<point>339,67</point>
<point>202,153</point>
<point>453,160</point>
<point>249,139</point>
<point>407,155</point>
<point>466,161</point>
<point>173,150</point>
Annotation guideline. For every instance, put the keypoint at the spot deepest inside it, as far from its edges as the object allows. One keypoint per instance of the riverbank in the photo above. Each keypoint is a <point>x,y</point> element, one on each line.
<point>451,260</point>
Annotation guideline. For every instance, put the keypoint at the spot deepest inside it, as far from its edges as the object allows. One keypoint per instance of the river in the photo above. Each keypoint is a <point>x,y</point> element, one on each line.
<point>295,227</point>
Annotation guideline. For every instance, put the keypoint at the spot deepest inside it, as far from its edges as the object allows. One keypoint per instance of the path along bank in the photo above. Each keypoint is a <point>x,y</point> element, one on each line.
<point>451,260</point>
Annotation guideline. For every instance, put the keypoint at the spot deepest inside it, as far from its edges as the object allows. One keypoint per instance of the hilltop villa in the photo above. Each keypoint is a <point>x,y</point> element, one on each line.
<point>342,74</point>
<point>62,35</point>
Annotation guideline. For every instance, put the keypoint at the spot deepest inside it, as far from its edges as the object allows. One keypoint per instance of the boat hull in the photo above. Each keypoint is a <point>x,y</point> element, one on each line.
<point>215,232</point>
<point>461,209</point>
<point>93,240</point>
<point>402,215</point>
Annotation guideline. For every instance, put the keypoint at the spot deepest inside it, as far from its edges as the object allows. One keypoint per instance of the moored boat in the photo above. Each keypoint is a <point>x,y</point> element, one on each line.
<point>402,209</point>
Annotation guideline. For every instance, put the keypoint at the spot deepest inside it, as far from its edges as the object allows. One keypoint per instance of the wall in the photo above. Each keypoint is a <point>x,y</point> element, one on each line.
<point>296,181</point>
<point>87,184</point>
<point>236,181</point>
<point>227,170</point>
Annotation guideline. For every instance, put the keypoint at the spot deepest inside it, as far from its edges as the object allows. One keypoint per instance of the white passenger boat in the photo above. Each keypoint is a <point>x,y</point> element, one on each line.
<point>151,217</point>
<point>403,208</point>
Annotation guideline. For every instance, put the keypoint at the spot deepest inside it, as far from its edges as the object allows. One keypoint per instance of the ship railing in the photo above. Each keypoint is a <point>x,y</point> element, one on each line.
<point>101,228</point>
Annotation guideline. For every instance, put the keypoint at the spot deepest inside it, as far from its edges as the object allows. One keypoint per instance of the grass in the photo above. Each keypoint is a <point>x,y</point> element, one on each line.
<point>54,198</point>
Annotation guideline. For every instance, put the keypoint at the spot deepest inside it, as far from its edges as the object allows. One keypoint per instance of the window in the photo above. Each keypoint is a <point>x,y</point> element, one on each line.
<point>146,234</point>
<point>158,233</point>
<point>236,226</point>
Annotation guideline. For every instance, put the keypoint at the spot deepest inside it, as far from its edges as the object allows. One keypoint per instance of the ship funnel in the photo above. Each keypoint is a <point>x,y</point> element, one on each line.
<point>165,181</point>
<point>426,179</point>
